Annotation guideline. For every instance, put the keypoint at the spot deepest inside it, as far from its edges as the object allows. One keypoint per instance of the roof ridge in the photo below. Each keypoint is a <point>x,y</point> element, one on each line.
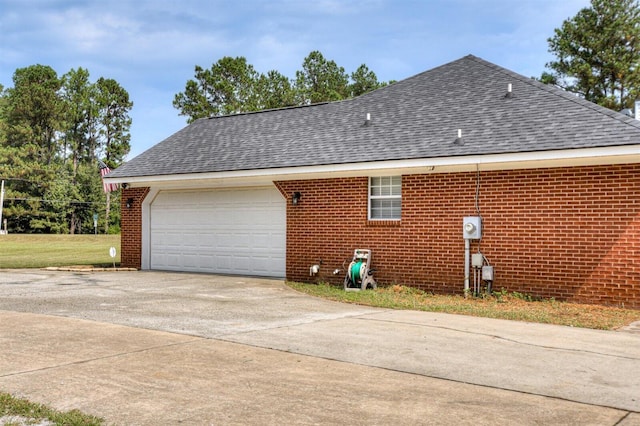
<point>212,117</point>
<point>557,91</point>
<point>429,71</point>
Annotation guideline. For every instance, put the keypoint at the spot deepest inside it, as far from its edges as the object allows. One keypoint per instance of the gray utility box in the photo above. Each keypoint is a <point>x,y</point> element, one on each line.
<point>487,273</point>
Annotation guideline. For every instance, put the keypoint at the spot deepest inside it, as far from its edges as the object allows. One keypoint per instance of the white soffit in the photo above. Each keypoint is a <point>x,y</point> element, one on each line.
<point>628,154</point>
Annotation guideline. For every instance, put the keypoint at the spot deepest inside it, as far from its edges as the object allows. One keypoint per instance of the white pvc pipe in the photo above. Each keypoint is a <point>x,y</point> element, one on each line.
<point>467,260</point>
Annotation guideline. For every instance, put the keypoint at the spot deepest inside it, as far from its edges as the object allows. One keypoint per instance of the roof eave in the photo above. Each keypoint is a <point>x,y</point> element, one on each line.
<point>509,161</point>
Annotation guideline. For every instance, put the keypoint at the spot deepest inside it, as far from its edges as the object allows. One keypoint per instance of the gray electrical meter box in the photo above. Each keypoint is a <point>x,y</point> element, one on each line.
<point>487,273</point>
<point>477,260</point>
<point>472,228</point>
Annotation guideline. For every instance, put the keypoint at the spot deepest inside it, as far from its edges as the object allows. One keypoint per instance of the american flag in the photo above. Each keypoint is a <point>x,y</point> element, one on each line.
<point>104,170</point>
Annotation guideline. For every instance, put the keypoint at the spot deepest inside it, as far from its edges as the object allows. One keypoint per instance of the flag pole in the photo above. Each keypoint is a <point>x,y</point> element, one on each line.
<point>107,187</point>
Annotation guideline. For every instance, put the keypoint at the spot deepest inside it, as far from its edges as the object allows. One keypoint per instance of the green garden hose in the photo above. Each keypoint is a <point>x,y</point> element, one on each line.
<point>355,271</point>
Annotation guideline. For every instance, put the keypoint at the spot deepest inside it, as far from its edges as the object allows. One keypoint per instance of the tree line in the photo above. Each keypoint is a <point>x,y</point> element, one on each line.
<point>54,130</point>
<point>232,85</point>
<point>598,54</point>
<point>53,133</point>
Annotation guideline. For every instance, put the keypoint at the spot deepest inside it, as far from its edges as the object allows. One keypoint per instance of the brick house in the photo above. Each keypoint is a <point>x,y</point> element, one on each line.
<point>555,179</point>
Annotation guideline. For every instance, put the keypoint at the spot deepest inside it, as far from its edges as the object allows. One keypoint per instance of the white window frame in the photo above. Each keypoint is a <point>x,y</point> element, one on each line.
<point>385,197</point>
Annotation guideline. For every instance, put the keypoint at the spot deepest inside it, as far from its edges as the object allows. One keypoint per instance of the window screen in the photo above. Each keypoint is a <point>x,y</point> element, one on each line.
<point>385,198</point>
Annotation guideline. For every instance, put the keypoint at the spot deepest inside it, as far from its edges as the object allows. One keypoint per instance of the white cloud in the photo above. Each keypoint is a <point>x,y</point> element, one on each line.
<point>151,46</point>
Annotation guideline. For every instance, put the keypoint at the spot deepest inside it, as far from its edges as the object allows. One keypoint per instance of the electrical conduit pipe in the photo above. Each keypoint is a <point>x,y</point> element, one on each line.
<point>467,260</point>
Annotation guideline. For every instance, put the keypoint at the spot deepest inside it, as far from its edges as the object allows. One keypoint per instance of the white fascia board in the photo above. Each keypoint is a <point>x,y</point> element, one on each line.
<point>528,160</point>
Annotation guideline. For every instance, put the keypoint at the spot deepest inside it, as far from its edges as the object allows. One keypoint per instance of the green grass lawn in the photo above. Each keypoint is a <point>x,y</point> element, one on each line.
<point>29,413</point>
<point>503,305</point>
<point>40,251</point>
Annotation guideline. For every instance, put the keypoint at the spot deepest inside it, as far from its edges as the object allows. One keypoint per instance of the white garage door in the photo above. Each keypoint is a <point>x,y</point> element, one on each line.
<point>235,231</point>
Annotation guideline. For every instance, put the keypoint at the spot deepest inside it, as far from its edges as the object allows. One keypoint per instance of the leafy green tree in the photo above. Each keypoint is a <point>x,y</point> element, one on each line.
<point>274,90</point>
<point>232,86</point>
<point>3,118</point>
<point>81,111</point>
<point>321,80</point>
<point>94,201</point>
<point>56,208</point>
<point>34,112</point>
<point>27,188</point>
<point>3,106</point>
<point>598,53</point>
<point>78,94</point>
<point>114,123</point>
<point>32,117</point>
<point>194,101</point>
<point>228,87</point>
<point>363,81</point>
<point>51,133</point>
<point>547,78</point>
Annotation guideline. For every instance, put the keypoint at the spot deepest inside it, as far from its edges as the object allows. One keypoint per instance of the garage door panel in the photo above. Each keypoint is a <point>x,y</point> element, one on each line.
<point>239,231</point>
<point>173,260</point>
<point>262,265</point>
<point>169,240</point>
<point>221,241</point>
<point>191,260</point>
<point>261,241</point>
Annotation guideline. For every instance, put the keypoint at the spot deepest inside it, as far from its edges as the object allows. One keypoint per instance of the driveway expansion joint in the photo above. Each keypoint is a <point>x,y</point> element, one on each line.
<point>506,339</point>
<point>101,358</point>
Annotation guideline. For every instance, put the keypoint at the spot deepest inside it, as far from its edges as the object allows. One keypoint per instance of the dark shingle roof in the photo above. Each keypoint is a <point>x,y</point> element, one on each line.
<point>415,118</point>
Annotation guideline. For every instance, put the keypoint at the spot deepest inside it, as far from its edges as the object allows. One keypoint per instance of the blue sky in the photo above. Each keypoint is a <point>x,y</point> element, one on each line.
<point>152,46</point>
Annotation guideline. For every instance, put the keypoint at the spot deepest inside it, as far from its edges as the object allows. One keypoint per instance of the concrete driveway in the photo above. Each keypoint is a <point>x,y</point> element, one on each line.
<point>143,348</point>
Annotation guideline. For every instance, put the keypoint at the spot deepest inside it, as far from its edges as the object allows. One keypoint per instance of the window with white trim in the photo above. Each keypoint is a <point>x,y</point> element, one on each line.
<point>385,198</point>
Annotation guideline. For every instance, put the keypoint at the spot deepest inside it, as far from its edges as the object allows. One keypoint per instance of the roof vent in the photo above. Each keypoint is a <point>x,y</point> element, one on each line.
<point>633,113</point>
<point>509,91</point>
<point>628,112</point>
<point>367,120</point>
<point>459,140</point>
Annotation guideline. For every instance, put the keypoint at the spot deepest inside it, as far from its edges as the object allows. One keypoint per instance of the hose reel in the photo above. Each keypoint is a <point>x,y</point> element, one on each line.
<point>359,273</point>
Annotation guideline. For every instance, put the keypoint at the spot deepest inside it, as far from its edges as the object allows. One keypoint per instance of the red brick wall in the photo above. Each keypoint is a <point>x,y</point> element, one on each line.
<point>568,233</point>
<point>131,233</point>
